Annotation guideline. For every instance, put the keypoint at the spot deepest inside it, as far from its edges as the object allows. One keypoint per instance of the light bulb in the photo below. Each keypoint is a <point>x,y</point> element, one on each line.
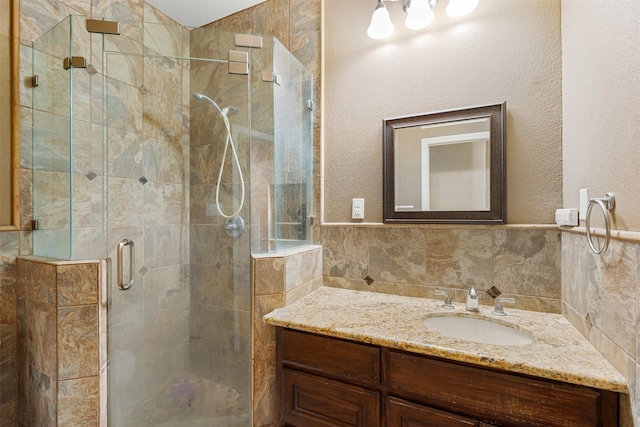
<point>419,14</point>
<point>381,26</point>
<point>457,8</point>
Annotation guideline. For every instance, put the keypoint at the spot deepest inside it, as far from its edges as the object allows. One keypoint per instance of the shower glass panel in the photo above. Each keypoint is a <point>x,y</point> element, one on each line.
<point>179,338</point>
<point>282,150</point>
<point>293,139</point>
<point>67,147</point>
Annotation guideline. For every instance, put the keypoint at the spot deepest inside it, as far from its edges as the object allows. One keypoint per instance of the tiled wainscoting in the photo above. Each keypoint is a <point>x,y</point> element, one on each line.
<point>59,342</point>
<point>521,261</point>
<point>278,280</point>
<point>600,295</point>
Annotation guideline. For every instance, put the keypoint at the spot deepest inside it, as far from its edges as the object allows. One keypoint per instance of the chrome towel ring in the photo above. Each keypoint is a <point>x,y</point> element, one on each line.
<point>606,203</point>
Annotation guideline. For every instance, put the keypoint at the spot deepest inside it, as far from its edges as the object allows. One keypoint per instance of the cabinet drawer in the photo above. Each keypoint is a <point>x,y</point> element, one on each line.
<point>401,413</point>
<point>501,398</point>
<point>311,401</point>
<point>359,363</point>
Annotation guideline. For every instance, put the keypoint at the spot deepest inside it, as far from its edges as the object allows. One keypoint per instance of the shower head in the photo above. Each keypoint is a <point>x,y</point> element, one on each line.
<point>223,111</point>
<point>203,97</point>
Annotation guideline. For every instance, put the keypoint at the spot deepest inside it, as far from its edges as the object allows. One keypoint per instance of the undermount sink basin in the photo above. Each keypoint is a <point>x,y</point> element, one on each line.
<point>477,330</point>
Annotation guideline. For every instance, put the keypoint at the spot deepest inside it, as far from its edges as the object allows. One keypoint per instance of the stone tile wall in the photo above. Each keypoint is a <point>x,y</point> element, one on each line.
<point>59,348</point>
<point>600,295</point>
<point>522,262</point>
<point>9,250</point>
<point>278,281</point>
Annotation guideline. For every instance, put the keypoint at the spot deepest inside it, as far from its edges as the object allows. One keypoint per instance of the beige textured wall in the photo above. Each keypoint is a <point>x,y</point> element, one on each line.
<point>601,104</point>
<point>505,51</point>
<point>601,151</point>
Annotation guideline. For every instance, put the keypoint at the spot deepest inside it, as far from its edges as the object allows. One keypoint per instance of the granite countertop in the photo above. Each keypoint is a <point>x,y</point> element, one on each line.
<point>559,352</point>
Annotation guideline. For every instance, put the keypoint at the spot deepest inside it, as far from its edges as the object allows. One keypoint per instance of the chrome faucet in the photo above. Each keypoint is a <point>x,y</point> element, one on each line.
<point>472,300</point>
<point>447,300</point>
<point>498,310</point>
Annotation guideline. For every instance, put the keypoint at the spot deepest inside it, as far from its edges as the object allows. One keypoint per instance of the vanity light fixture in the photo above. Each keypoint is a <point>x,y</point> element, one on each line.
<point>381,26</point>
<point>419,15</point>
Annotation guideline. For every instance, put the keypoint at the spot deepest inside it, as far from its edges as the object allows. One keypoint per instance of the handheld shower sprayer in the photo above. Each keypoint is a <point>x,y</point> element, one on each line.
<point>228,143</point>
<point>203,97</point>
<point>223,111</point>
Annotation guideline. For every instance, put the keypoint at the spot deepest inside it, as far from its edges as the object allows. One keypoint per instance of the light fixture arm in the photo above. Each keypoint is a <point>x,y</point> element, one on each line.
<point>407,4</point>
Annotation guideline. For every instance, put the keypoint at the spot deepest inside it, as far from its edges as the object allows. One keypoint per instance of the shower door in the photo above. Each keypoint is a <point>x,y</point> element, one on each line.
<point>179,300</point>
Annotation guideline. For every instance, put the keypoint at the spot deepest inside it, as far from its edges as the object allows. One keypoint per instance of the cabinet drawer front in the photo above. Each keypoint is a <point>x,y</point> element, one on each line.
<point>331,357</point>
<point>310,401</point>
<point>492,395</point>
<point>401,413</point>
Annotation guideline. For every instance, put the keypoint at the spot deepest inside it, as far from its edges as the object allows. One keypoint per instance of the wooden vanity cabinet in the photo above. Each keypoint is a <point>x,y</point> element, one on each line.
<point>408,414</point>
<point>328,382</point>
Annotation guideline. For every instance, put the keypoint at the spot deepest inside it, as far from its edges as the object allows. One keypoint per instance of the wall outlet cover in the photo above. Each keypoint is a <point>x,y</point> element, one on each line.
<point>567,217</point>
<point>357,209</point>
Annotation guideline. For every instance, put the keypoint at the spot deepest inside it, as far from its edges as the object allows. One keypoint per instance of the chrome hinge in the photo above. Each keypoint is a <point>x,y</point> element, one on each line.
<point>35,81</point>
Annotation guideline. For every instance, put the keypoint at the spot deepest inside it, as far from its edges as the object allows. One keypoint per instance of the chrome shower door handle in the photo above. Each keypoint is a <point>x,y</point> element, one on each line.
<point>132,264</point>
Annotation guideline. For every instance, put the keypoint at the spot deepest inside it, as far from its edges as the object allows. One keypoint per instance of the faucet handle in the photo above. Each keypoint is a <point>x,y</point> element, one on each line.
<point>447,300</point>
<point>498,310</point>
<point>472,293</point>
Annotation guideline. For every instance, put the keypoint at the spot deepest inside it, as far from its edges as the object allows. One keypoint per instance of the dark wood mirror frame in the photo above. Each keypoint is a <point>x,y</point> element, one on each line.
<point>497,181</point>
<point>14,120</point>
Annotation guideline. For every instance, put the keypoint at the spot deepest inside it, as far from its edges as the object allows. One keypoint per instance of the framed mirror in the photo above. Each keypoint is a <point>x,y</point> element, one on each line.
<point>446,167</point>
<point>9,115</point>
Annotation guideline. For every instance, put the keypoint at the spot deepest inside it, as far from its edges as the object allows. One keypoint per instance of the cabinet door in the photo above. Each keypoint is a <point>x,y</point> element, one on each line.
<point>311,401</point>
<point>401,413</point>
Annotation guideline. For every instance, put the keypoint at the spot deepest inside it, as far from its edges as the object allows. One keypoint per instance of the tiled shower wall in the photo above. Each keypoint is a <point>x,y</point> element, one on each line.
<point>600,296</point>
<point>59,342</point>
<point>522,262</point>
<point>278,281</point>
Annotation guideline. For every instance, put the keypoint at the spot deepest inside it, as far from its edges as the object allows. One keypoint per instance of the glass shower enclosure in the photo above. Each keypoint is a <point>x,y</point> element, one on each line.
<point>153,150</point>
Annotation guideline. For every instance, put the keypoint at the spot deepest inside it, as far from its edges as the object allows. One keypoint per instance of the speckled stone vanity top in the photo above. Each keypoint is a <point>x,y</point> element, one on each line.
<point>559,351</point>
